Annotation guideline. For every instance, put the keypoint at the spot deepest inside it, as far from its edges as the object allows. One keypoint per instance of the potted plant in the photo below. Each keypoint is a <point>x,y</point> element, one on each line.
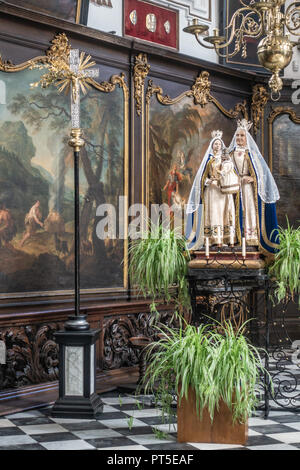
<point>214,372</point>
<point>286,266</point>
<point>158,266</point>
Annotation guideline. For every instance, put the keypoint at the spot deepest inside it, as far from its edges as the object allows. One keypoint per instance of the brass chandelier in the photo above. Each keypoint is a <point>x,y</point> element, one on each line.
<point>256,19</point>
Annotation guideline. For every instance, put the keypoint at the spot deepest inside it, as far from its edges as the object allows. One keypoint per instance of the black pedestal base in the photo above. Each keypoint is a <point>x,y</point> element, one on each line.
<point>81,408</point>
<point>77,375</point>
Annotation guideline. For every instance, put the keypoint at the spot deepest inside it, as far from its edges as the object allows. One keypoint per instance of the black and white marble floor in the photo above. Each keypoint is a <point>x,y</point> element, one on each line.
<point>128,423</point>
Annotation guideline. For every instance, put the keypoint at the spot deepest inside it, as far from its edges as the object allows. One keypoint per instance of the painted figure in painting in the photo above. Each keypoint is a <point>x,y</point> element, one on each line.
<point>258,192</point>
<point>219,210</point>
<point>172,183</point>
<point>32,222</point>
<point>7,227</point>
<point>55,224</point>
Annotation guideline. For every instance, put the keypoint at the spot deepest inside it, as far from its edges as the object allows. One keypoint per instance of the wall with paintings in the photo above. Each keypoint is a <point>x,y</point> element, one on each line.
<point>147,113</point>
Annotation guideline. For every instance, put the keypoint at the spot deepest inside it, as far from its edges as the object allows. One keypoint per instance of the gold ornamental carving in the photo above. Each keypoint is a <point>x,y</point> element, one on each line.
<point>59,49</point>
<point>283,110</point>
<point>260,98</point>
<point>200,92</point>
<point>201,89</point>
<point>140,72</point>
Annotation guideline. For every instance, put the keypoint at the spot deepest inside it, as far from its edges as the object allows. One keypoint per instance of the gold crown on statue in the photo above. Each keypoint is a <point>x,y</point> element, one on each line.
<point>244,124</point>
<point>217,134</point>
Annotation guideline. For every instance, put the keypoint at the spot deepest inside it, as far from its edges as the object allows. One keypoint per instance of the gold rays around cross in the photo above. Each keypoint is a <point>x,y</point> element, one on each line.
<point>59,70</point>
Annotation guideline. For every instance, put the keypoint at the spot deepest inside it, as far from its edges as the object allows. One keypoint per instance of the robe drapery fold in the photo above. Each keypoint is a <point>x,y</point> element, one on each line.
<point>265,215</point>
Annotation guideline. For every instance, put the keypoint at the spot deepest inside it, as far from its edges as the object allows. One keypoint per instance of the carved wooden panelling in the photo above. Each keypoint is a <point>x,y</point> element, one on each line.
<point>31,355</point>
<point>118,351</point>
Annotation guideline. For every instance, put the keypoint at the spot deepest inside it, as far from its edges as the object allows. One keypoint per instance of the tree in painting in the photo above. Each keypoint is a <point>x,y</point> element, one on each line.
<point>46,255</point>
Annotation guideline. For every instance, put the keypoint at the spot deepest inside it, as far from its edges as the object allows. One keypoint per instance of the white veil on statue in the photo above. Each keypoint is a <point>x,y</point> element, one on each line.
<point>193,227</point>
<point>267,188</point>
<point>195,194</point>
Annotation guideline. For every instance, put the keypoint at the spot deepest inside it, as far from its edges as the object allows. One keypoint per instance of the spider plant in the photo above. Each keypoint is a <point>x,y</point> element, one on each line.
<point>158,262</point>
<point>219,364</point>
<point>286,266</point>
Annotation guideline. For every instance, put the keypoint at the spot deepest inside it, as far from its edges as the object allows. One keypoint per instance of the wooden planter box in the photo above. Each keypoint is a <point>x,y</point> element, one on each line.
<point>221,431</point>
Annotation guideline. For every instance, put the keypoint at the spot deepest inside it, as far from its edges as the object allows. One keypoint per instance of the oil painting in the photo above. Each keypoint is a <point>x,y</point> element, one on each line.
<point>179,135</point>
<point>37,190</point>
<point>286,144</point>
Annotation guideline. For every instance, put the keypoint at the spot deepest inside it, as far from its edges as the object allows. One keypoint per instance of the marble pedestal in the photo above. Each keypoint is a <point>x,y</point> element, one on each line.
<point>77,375</point>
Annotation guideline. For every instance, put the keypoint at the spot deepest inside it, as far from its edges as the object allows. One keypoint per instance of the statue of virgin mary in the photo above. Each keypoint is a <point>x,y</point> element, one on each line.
<point>210,211</point>
<point>256,210</point>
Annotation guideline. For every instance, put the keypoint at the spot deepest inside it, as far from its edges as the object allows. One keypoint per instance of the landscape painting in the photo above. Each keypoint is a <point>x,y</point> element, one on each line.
<point>286,144</point>
<point>37,191</point>
<point>179,135</point>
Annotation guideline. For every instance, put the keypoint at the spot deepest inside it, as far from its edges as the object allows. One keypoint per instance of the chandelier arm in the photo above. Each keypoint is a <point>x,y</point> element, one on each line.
<point>234,30</point>
<point>293,16</point>
<point>217,48</point>
<point>197,36</point>
<point>228,56</point>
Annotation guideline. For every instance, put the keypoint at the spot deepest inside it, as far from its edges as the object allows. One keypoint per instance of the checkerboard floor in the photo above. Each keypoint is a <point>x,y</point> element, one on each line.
<point>129,423</point>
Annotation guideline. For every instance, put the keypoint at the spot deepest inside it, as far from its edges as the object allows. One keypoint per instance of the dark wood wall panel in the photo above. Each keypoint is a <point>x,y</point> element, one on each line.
<point>27,325</point>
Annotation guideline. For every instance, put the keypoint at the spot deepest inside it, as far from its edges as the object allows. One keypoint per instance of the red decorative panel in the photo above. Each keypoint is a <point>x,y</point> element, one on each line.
<point>149,22</point>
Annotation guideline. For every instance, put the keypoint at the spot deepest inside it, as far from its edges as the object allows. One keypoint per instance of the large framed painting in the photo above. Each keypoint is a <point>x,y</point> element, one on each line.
<point>36,189</point>
<point>65,9</point>
<point>178,133</point>
<point>251,63</point>
<point>284,142</point>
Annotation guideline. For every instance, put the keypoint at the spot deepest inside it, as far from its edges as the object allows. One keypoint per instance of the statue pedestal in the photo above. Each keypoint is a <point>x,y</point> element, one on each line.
<point>221,285</point>
<point>227,259</point>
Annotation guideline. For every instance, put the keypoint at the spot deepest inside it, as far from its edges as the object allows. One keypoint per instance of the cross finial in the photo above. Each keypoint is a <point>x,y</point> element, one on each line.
<point>81,72</point>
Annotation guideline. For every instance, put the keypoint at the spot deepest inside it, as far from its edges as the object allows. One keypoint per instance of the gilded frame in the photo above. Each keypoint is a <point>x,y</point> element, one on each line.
<point>200,92</point>
<point>7,66</point>
<point>260,98</point>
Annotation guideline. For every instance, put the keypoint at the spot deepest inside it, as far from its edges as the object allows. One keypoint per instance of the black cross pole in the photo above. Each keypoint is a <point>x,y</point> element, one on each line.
<point>77,342</point>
